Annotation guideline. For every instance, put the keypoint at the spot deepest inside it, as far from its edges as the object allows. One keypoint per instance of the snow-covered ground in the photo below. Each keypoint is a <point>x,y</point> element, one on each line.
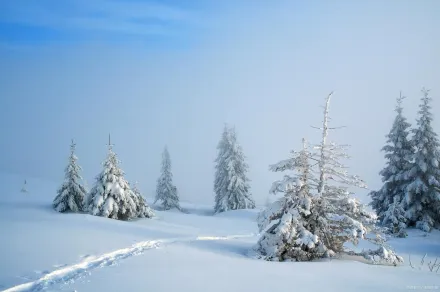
<point>42,250</point>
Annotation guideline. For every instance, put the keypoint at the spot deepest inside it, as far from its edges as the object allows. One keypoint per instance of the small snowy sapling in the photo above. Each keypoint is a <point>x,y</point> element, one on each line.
<point>142,208</point>
<point>24,188</point>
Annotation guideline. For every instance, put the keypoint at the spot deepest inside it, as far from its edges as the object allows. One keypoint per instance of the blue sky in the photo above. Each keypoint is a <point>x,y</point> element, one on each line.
<point>27,22</point>
<point>173,72</point>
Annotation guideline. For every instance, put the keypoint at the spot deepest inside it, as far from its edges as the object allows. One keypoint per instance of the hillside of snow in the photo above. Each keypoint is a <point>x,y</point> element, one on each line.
<point>42,250</point>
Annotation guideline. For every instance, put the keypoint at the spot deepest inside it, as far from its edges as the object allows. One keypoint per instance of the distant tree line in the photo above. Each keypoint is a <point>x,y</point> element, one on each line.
<point>112,196</point>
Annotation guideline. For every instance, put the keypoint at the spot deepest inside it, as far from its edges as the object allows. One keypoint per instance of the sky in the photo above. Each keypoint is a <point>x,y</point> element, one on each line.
<point>174,72</point>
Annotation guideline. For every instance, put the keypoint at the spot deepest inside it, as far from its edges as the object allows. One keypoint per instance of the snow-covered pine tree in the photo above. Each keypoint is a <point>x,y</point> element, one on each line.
<point>286,226</point>
<point>318,214</point>
<point>166,191</point>
<point>220,182</point>
<point>387,202</point>
<point>423,193</point>
<point>72,193</point>
<point>111,195</point>
<point>231,184</point>
<point>142,208</point>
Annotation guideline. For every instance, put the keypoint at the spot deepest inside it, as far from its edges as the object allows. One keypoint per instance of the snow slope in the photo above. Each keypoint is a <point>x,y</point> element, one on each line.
<point>42,250</point>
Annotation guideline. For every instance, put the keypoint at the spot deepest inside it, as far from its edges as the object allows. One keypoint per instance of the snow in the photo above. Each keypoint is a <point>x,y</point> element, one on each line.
<point>43,250</point>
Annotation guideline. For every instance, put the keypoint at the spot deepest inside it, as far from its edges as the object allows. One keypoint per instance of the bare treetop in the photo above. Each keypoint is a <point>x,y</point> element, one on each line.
<point>110,145</point>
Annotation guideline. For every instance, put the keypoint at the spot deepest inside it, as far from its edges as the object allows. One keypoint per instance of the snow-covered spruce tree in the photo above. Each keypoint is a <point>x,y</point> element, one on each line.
<point>387,202</point>
<point>231,185</point>
<point>318,214</point>
<point>142,208</point>
<point>72,193</point>
<point>287,225</point>
<point>166,191</point>
<point>423,193</point>
<point>111,196</point>
<point>220,182</point>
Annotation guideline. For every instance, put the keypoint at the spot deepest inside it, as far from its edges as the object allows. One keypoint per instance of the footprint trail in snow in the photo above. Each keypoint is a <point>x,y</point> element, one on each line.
<point>67,274</point>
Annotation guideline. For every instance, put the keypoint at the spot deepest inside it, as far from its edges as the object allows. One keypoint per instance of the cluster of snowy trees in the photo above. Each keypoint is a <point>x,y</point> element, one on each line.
<point>317,214</point>
<point>113,197</point>
<point>410,195</point>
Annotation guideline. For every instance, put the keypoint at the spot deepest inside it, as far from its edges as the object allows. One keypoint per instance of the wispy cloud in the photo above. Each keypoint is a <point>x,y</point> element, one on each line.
<point>123,17</point>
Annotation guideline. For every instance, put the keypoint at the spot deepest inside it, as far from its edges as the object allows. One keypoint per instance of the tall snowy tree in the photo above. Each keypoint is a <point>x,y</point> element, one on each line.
<point>166,191</point>
<point>231,185</point>
<point>72,193</point>
<point>220,182</point>
<point>318,214</point>
<point>387,202</point>
<point>423,193</point>
<point>111,196</point>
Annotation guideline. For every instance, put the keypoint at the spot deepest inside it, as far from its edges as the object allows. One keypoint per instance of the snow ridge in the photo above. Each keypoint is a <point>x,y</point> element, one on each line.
<point>75,271</point>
